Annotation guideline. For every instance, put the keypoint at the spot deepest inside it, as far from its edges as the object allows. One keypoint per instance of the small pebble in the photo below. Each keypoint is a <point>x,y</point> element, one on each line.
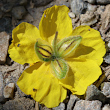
<point>100,10</point>
<point>19,104</point>
<point>103,2</point>
<point>105,87</point>
<point>106,107</point>
<point>1,13</point>
<point>91,8</point>
<point>93,93</point>
<point>72,101</point>
<point>9,90</point>
<point>2,100</point>
<point>1,106</point>
<point>87,105</point>
<point>22,2</point>
<point>18,12</point>
<point>28,18</point>
<point>78,7</point>
<point>4,43</point>
<point>90,1</point>
<point>6,24</point>
<point>71,15</point>
<point>41,2</point>
<point>6,7</point>
<point>1,84</point>
<point>107,58</point>
<point>108,77</point>
<point>88,18</point>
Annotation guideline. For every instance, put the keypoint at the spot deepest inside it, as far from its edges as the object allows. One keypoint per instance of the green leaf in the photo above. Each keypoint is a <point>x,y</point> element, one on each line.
<point>59,68</point>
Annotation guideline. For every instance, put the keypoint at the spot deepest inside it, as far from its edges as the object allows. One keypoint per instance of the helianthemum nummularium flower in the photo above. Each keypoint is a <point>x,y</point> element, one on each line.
<point>62,58</point>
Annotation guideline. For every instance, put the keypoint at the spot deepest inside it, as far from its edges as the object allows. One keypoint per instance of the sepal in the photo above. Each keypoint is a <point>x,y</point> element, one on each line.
<point>67,46</point>
<point>59,68</point>
<point>43,50</point>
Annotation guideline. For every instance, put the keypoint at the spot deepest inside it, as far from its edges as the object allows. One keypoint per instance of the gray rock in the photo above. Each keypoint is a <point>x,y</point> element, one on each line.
<point>108,77</point>
<point>1,107</point>
<point>91,8</point>
<point>9,90</point>
<point>105,88</point>
<point>103,2</point>
<point>19,104</point>
<point>1,13</point>
<point>17,2</point>
<point>90,1</point>
<point>60,107</point>
<point>6,24</point>
<point>11,1</point>
<point>1,84</point>
<point>107,58</point>
<point>73,99</point>
<point>4,43</point>
<point>89,18</point>
<point>41,2</point>
<point>63,2</point>
<point>18,12</point>
<point>78,7</point>
<point>93,93</point>
<point>105,19</point>
<point>2,99</point>
<point>22,2</point>
<point>87,105</point>
<point>28,18</point>
<point>6,7</point>
<point>106,107</point>
<point>44,108</point>
<point>100,9</point>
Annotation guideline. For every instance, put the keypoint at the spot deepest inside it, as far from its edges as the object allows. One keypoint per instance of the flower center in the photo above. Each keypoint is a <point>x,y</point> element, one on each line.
<point>57,53</point>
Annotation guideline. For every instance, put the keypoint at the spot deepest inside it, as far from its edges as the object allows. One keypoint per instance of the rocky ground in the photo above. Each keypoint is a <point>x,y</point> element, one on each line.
<point>95,13</point>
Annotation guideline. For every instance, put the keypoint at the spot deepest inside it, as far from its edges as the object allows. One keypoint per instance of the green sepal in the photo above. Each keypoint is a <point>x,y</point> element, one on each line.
<point>59,68</point>
<point>54,44</point>
<point>43,51</point>
<point>67,46</point>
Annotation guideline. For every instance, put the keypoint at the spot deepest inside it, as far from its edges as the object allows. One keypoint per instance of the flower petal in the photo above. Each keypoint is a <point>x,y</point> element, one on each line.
<point>55,19</point>
<point>91,46</point>
<point>38,82</point>
<point>22,48</point>
<point>82,73</point>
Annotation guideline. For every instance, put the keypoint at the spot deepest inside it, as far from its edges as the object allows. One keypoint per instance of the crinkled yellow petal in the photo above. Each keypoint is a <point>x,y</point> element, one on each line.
<point>21,49</point>
<point>55,19</point>
<point>91,46</point>
<point>38,82</point>
<point>82,73</point>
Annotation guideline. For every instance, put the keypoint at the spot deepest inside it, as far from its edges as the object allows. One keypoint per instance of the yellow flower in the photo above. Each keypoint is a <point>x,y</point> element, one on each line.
<point>72,63</point>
